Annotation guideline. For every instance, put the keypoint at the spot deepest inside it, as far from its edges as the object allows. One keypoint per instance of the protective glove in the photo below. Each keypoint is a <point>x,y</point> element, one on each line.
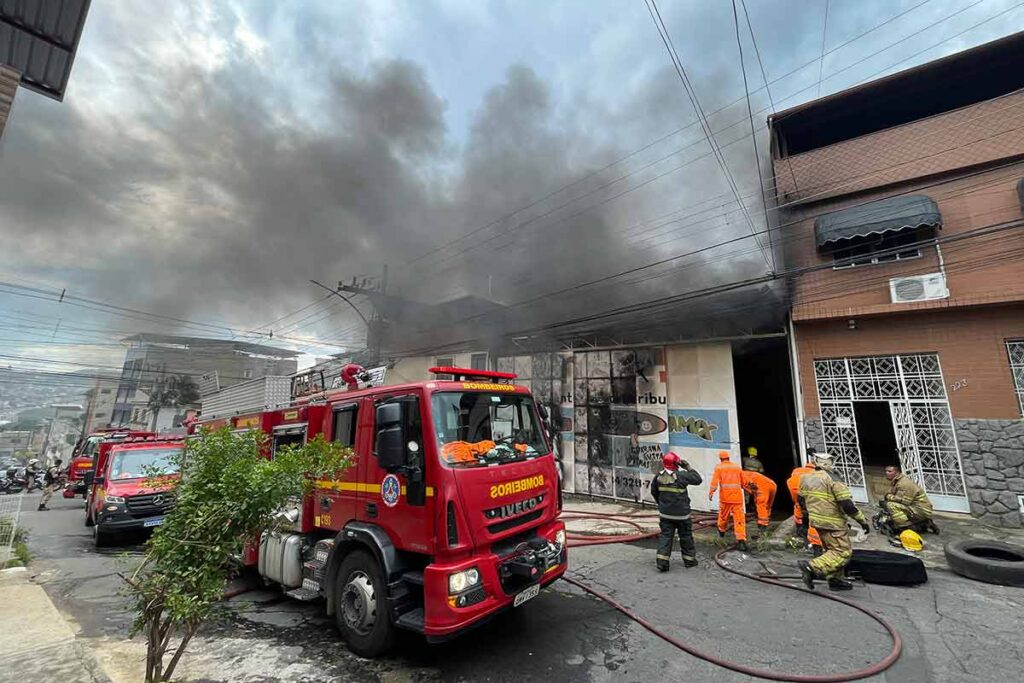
<point>866,527</point>
<point>711,496</point>
<point>685,465</point>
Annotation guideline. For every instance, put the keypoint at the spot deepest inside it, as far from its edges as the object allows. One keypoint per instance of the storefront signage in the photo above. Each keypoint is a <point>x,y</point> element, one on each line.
<point>698,428</point>
<point>291,415</point>
<point>247,422</point>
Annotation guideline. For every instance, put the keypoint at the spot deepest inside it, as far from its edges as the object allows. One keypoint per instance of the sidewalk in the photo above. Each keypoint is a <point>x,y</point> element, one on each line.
<point>36,643</point>
<point>953,527</point>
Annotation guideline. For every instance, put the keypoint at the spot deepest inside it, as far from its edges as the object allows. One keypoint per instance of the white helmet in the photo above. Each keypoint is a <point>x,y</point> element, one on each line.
<point>824,461</point>
<point>33,462</point>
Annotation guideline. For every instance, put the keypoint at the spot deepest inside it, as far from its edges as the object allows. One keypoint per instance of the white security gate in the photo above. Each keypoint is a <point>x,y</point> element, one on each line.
<point>903,426</point>
<point>913,386</point>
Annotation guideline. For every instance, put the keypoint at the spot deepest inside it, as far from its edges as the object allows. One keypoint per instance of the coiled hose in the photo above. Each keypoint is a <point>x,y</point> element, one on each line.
<point>703,521</point>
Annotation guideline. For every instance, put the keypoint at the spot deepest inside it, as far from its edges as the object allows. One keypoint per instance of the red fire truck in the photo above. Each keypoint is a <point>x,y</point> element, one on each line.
<point>124,495</point>
<point>448,516</point>
<point>85,452</point>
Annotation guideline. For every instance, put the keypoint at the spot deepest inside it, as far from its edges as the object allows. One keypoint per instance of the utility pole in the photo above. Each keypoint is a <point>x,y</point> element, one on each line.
<point>375,291</point>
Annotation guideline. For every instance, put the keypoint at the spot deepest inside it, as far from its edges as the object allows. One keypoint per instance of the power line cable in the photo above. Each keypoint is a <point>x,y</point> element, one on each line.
<point>734,240</point>
<point>764,77</point>
<point>659,140</point>
<point>821,60</point>
<point>742,120</point>
<point>753,135</point>
<point>666,39</point>
<point>795,222</point>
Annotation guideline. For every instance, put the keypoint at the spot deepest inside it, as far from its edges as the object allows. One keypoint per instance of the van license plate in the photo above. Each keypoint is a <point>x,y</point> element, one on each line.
<point>530,592</point>
<point>153,522</point>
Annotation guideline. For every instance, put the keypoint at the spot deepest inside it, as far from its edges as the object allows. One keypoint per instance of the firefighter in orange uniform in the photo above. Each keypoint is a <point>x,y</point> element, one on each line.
<point>763,490</point>
<point>728,475</point>
<point>793,484</point>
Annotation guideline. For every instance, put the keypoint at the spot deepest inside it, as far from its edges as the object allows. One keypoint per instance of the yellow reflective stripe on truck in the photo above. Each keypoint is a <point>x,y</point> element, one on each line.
<point>357,486</point>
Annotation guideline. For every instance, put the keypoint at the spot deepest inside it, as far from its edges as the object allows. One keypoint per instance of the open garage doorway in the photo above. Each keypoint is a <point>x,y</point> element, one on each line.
<point>877,438</point>
<point>765,411</point>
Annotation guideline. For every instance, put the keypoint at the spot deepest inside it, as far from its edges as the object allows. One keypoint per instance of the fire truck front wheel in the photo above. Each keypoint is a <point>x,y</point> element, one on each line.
<point>362,610</point>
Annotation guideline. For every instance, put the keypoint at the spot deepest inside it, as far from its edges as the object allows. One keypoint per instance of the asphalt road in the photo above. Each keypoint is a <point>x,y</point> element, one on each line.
<point>953,629</point>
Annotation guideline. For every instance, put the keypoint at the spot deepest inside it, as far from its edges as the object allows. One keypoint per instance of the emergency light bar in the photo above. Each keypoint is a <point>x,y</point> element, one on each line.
<point>460,374</point>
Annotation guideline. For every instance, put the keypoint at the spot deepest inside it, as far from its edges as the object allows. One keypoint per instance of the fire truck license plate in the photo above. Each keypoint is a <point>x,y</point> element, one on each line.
<point>530,592</point>
<point>153,522</point>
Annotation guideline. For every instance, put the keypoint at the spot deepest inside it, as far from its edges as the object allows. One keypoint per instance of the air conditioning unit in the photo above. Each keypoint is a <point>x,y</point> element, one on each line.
<point>918,288</point>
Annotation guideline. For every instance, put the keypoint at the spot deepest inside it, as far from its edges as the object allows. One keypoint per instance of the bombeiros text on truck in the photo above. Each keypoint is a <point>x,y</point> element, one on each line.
<point>448,516</point>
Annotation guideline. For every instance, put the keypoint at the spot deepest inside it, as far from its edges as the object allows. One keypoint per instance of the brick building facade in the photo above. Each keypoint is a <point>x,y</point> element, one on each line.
<point>900,205</point>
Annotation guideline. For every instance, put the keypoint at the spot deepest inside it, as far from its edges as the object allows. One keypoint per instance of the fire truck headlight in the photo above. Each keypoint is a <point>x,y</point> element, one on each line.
<point>463,580</point>
<point>560,537</point>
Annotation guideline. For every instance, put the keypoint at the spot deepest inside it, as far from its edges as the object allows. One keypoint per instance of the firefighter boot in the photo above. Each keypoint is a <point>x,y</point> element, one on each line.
<point>721,534</point>
<point>839,585</point>
<point>806,573</point>
<point>689,563</point>
<point>742,545</point>
<point>662,566</point>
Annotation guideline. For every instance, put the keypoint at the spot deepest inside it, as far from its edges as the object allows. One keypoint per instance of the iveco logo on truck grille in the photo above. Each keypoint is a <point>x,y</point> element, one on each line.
<point>514,508</point>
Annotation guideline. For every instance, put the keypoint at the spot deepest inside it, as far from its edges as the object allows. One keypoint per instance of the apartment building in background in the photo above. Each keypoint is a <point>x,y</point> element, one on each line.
<point>900,216</point>
<point>154,362</point>
<point>99,404</point>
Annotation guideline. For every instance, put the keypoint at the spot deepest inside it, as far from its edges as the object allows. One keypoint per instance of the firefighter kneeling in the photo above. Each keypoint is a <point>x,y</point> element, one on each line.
<point>669,490</point>
<point>827,504</point>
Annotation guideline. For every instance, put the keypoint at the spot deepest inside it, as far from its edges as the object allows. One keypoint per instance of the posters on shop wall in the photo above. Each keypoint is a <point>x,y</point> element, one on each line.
<point>699,428</point>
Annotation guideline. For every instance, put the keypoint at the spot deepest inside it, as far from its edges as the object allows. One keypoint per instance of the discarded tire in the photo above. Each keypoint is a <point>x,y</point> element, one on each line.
<point>988,561</point>
<point>889,569</point>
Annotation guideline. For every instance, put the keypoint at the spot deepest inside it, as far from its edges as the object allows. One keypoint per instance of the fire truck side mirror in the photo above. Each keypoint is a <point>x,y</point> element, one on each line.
<point>390,446</point>
<point>88,478</point>
<point>389,415</point>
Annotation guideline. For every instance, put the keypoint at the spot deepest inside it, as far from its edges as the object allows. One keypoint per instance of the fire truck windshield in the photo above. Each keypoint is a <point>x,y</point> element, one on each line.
<point>139,463</point>
<point>477,428</point>
<point>90,446</point>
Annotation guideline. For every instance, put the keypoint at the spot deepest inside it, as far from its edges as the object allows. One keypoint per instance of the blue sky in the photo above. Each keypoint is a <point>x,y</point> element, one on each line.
<point>211,157</point>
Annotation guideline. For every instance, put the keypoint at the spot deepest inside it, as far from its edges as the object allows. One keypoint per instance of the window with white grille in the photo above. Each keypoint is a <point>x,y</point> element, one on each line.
<point>1016,351</point>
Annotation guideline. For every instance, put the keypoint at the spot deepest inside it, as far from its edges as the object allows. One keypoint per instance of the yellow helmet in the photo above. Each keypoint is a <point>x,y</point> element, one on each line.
<point>752,451</point>
<point>911,540</point>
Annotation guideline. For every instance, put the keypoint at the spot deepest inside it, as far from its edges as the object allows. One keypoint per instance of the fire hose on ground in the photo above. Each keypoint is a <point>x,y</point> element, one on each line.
<point>701,522</point>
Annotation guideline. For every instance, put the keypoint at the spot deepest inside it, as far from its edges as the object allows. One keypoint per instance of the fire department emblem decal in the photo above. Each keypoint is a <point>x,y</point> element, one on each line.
<point>391,490</point>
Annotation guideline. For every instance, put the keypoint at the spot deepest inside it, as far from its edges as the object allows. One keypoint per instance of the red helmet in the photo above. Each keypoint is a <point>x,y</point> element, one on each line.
<point>670,461</point>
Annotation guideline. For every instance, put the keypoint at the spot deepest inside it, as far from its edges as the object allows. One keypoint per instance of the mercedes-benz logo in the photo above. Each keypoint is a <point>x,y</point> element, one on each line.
<point>158,500</point>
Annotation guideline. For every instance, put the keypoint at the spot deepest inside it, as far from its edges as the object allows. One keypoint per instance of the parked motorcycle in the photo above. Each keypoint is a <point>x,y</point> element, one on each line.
<point>9,485</point>
<point>17,480</point>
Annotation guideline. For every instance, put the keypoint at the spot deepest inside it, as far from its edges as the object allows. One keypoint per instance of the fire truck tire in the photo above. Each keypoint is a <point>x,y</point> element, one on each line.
<point>362,611</point>
<point>88,518</point>
<point>100,538</point>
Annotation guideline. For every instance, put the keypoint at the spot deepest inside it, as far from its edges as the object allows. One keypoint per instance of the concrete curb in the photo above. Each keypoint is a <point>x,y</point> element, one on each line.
<point>33,626</point>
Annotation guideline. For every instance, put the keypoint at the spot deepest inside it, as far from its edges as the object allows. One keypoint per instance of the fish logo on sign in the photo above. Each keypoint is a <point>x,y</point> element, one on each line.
<point>391,490</point>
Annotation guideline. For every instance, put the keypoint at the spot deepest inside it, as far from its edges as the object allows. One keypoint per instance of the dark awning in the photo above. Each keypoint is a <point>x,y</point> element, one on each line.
<point>875,218</point>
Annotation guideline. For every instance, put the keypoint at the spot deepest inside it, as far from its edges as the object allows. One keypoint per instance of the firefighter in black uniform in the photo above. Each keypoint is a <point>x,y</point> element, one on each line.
<point>669,490</point>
